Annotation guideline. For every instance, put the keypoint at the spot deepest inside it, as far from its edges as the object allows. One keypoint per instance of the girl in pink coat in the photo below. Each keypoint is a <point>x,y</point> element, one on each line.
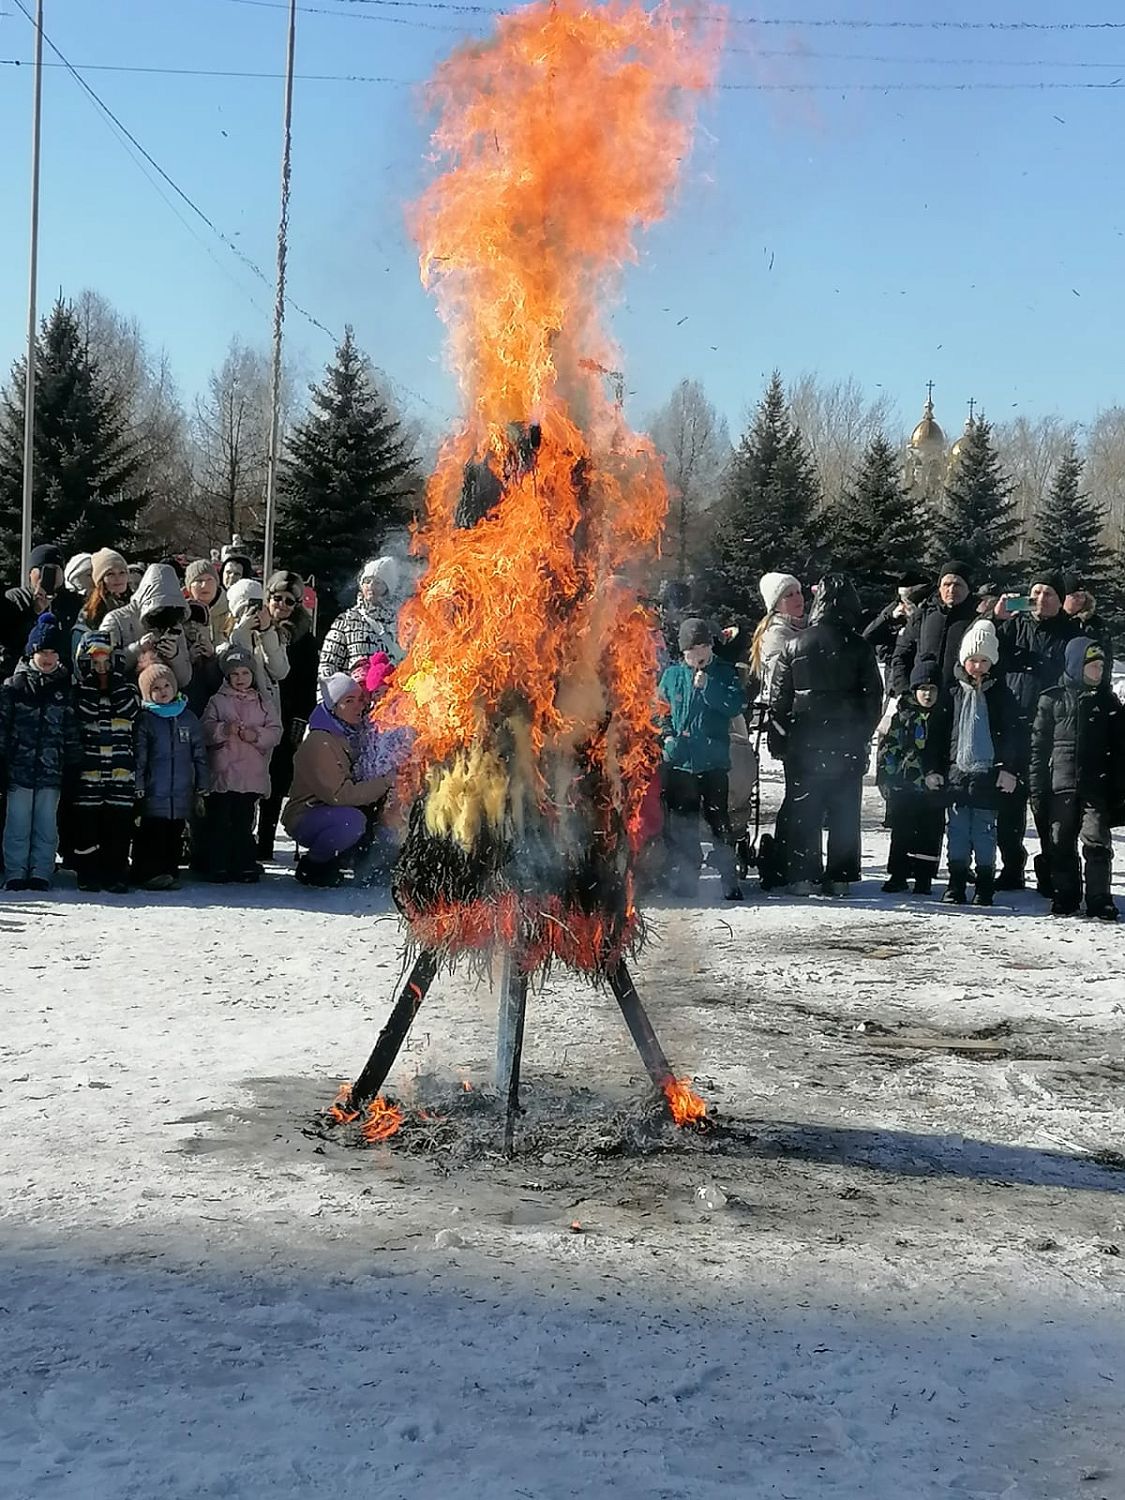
<point>241,729</point>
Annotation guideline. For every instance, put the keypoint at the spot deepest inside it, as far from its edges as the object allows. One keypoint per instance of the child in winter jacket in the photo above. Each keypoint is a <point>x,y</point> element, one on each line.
<point>703,695</point>
<point>1077,768</point>
<point>38,746</point>
<point>240,729</point>
<point>172,772</point>
<point>908,774</point>
<point>106,704</point>
<point>981,754</point>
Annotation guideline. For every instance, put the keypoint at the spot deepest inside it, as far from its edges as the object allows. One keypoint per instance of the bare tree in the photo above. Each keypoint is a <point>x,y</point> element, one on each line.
<point>695,442</point>
<point>838,422</point>
<point>1030,452</point>
<point>1105,470</point>
<point>230,432</point>
<point>144,384</point>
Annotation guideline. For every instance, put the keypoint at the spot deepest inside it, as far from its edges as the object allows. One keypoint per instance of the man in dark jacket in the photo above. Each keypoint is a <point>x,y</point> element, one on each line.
<point>21,607</point>
<point>825,699</point>
<point>1080,604</point>
<point>703,694</point>
<point>1033,657</point>
<point>934,633</point>
<point>1077,759</point>
<point>888,625</point>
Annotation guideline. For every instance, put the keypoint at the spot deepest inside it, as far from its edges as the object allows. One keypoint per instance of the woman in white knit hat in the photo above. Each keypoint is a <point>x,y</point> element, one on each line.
<point>783,621</point>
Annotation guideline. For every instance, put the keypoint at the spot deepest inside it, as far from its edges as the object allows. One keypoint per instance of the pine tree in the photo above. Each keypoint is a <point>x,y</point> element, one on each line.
<point>978,523</point>
<point>1068,526</point>
<point>769,501</point>
<point>88,491</point>
<point>349,475</point>
<point>877,530</point>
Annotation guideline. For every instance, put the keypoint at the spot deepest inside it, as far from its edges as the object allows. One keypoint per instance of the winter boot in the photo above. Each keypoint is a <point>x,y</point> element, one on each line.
<point>895,885</point>
<point>1103,910</point>
<point>924,884</point>
<point>986,885</point>
<point>1011,879</point>
<point>1043,882</point>
<point>323,874</point>
<point>955,892</point>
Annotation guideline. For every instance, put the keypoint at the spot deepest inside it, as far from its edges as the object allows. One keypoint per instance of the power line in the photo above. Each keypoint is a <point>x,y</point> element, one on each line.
<point>195,208</point>
<point>843,86</point>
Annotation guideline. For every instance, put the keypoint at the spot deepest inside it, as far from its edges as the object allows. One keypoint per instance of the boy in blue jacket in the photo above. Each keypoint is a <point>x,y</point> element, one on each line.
<point>703,695</point>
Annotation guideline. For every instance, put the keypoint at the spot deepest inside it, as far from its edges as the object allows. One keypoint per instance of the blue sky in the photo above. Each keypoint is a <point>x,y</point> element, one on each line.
<point>974,237</point>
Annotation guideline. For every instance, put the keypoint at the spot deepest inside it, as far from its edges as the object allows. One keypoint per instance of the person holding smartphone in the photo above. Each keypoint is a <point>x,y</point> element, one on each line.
<point>43,592</point>
<point>1034,632</point>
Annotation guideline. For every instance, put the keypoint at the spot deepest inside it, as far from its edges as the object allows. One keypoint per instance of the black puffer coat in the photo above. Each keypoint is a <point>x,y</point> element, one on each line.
<point>1005,725</point>
<point>934,634</point>
<point>38,733</point>
<point>825,692</point>
<point>1078,745</point>
<point>1033,655</point>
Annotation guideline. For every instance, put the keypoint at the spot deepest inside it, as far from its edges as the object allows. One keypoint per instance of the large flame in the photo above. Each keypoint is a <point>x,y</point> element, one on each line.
<point>529,681</point>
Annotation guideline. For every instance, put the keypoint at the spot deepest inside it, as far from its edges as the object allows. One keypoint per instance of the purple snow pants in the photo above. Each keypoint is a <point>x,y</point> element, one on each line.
<point>328,831</point>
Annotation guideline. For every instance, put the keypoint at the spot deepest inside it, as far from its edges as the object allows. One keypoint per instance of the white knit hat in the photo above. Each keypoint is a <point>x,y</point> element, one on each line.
<point>771,586</point>
<point>385,569</point>
<point>333,690</point>
<point>79,572</point>
<point>980,640</point>
<point>242,592</point>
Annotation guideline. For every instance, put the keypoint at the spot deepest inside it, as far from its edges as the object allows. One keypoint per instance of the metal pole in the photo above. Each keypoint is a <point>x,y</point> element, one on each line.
<point>279,302</point>
<point>32,319</point>
<point>509,1051</point>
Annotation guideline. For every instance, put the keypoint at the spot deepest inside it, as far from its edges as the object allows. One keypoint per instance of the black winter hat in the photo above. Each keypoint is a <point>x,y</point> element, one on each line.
<point>1052,579</point>
<point>46,635</point>
<point>959,568</point>
<point>46,556</point>
<point>694,633</point>
<point>1072,583</point>
<point>926,673</point>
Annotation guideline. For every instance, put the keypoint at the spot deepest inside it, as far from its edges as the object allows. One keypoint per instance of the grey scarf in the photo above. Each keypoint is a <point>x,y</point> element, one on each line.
<point>975,750</point>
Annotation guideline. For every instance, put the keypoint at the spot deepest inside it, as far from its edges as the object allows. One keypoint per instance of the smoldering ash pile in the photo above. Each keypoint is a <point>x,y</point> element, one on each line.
<point>528,685</point>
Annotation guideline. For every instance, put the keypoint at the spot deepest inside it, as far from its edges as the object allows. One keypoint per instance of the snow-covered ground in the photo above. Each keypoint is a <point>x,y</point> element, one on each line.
<point>911,1287</point>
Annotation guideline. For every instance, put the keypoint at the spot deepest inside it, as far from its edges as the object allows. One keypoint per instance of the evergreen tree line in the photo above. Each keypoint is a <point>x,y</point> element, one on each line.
<point>117,464</point>
<point>773,516</point>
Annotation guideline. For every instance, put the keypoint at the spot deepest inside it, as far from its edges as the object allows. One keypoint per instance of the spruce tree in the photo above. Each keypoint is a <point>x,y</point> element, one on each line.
<point>769,501</point>
<point>88,489</point>
<point>877,530</point>
<point>348,478</point>
<point>1068,526</point>
<point>978,522</point>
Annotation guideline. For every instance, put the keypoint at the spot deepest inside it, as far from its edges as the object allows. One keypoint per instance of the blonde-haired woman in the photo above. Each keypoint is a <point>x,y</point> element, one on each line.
<point>782,622</point>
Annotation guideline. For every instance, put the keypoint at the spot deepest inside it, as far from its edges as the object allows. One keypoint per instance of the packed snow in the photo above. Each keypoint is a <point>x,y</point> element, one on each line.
<point>899,1274</point>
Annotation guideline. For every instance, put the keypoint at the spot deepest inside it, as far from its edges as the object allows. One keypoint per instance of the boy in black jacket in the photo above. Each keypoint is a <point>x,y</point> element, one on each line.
<point>983,760</point>
<point>1077,760</point>
<point>909,773</point>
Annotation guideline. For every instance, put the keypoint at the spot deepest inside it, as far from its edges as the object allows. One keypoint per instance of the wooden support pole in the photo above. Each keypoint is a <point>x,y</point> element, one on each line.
<point>640,1028</point>
<point>379,1064</point>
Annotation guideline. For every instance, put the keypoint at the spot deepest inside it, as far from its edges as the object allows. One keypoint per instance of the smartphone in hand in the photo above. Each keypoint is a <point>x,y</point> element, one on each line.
<point>1020,604</point>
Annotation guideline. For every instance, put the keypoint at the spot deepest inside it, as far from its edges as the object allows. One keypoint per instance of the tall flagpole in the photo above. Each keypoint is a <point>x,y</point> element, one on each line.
<point>32,295</point>
<point>279,303</point>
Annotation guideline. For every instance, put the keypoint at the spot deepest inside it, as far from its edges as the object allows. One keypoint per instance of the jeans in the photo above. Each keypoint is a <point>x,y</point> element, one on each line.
<point>686,793</point>
<point>31,833</point>
<point>326,832</point>
<point>972,830</point>
<point>1070,820</point>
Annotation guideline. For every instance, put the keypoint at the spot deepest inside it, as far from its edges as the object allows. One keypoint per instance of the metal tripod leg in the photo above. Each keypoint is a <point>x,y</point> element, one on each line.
<point>509,1042</point>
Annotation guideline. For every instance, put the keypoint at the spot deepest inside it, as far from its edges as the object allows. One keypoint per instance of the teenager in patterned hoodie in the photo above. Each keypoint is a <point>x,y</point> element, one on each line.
<point>106,704</point>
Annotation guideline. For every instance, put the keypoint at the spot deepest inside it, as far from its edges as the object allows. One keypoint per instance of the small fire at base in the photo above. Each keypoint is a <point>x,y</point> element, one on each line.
<point>686,1105</point>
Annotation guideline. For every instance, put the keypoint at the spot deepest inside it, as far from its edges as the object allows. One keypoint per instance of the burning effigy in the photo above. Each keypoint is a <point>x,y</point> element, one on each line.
<point>528,686</point>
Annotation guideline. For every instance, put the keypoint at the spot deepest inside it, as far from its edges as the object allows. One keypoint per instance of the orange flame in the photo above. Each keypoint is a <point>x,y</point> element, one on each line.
<point>340,1111</point>
<point>559,138</point>
<point>382,1120</point>
<point>686,1105</point>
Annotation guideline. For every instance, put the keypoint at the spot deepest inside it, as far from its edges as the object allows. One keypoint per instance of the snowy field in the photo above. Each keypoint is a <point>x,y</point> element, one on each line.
<point>912,1283</point>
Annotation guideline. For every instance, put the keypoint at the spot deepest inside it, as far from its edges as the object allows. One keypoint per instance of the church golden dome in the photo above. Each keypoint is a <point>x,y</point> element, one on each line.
<point>927,437</point>
<point>959,446</point>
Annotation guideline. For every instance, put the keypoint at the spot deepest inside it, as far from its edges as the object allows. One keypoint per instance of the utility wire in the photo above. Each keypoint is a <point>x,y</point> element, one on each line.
<point>155,165</point>
<point>766,88</point>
